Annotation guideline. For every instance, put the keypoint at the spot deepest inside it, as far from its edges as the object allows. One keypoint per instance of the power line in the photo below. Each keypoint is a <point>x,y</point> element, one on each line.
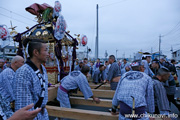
<point>17,14</point>
<point>174,28</point>
<point>112,3</point>
<point>15,19</point>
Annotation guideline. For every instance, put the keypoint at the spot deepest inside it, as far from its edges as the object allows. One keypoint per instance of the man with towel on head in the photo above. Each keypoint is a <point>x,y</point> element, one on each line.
<point>146,59</point>
<point>75,80</point>
<point>134,92</point>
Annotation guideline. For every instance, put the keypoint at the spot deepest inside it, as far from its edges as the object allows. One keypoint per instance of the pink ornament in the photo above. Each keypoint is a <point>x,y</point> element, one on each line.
<point>3,32</point>
<point>84,40</point>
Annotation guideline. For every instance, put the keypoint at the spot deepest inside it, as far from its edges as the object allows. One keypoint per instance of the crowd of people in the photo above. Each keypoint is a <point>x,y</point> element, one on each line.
<point>152,84</point>
<point>143,86</point>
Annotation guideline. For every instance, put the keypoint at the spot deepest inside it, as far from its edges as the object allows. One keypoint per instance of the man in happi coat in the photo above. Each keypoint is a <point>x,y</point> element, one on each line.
<point>146,59</point>
<point>6,112</point>
<point>78,67</point>
<point>134,92</point>
<point>96,64</point>
<point>114,73</point>
<point>123,66</point>
<point>169,85</point>
<point>7,78</point>
<point>160,97</point>
<point>107,66</point>
<point>75,79</point>
<point>2,65</point>
<point>32,80</point>
<point>99,74</point>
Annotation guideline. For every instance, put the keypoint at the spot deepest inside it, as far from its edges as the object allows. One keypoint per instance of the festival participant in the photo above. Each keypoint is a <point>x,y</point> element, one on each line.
<point>169,85</point>
<point>76,79</point>
<point>107,66</point>
<point>174,72</point>
<point>1,65</point>
<point>85,62</point>
<point>32,80</point>
<point>113,73</point>
<point>134,92</point>
<point>22,114</point>
<point>91,69</point>
<point>128,68</point>
<point>123,66</point>
<point>146,59</point>
<point>99,74</point>
<point>7,78</point>
<point>96,64</point>
<point>160,98</point>
<point>78,67</point>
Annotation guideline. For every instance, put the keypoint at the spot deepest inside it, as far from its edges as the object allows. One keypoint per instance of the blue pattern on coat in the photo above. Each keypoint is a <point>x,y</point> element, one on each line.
<point>28,89</point>
<point>6,86</point>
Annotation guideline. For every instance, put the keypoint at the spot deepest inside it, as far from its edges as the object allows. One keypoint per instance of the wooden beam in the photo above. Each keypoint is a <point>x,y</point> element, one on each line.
<point>90,102</point>
<point>79,114</point>
<point>52,92</point>
<point>98,93</point>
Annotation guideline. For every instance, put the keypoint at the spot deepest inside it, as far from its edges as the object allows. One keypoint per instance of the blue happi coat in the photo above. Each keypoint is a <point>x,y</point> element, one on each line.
<point>123,67</point>
<point>74,80</point>
<point>5,110</point>
<point>6,86</point>
<point>140,86</point>
<point>98,76</point>
<point>147,70</point>
<point>28,89</point>
<point>160,97</point>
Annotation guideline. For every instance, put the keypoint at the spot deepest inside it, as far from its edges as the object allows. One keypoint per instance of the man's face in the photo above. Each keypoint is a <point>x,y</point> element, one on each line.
<point>148,59</point>
<point>125,61</point>
<point>107,63</point>
<point>101,68</point>
<point>110,61</point>
<point>165,77</point>
<point>85,61</point>
<point>1,64</point>
<point>154,65</point>
<point>142,68</point>
<point>162,60</point>
<point>19,63</point>
<point>80,65</point>
<point>98,60</point>
<point>91,64</point>
<point>43,54</point>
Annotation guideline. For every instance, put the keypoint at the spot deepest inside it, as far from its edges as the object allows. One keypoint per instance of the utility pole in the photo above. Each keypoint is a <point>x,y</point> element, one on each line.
<point>171,51</point>
<point>151,50</point>
<point>159,46</point>
<point>96,43</point>
<point>116,53</point>
<point>106,54</point>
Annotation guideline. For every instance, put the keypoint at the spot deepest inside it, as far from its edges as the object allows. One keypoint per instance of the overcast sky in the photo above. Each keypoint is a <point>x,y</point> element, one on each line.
<point>126,25</point>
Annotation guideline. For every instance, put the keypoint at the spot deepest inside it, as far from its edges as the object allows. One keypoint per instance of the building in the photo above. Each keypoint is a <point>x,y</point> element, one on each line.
<point>176,55</point>
<point>8,52</point>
